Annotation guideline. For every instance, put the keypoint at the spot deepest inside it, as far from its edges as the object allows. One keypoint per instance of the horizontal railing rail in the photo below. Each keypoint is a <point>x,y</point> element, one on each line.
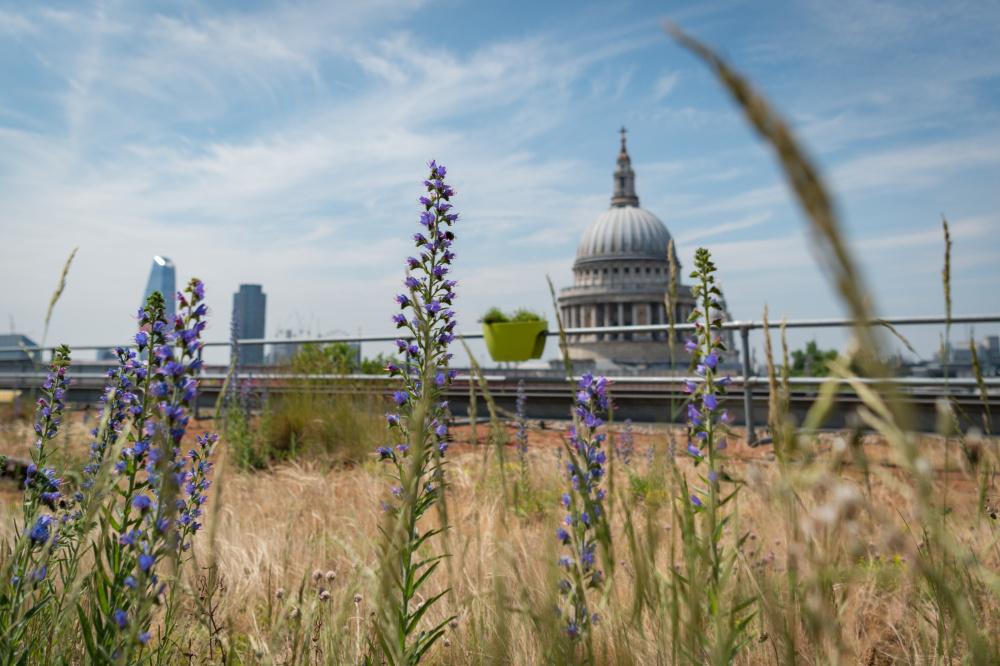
<point>678,380</point>
<point>736,325</point>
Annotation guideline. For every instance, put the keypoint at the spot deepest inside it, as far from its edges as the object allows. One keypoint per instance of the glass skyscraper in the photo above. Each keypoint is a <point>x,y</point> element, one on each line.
<point>249,305</point>
<point>163,278</point>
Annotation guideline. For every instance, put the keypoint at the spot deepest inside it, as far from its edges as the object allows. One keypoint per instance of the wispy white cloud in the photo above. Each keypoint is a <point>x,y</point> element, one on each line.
<point>283,144</point>
<point>665,85</point>
<point>15,24</point>
<point>263,206</point>
<point>747,222</point>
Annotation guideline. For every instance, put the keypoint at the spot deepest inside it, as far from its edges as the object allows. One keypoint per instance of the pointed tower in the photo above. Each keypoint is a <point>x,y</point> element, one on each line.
<point>624,194</point>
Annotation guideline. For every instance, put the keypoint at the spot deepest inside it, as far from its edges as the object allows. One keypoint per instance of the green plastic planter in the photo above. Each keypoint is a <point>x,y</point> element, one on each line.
<point>516,340</point>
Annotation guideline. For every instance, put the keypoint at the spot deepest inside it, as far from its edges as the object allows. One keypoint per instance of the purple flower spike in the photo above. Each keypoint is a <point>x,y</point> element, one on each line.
<point>423,368</point>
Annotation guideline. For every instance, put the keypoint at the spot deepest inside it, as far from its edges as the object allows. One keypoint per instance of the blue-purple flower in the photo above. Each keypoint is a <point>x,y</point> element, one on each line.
<point>424,375</point>
<point>584,501</point>
<point>40,531</point>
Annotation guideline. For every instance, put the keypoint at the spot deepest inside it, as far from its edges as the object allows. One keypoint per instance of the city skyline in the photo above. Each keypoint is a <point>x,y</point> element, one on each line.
<point>287,154</point>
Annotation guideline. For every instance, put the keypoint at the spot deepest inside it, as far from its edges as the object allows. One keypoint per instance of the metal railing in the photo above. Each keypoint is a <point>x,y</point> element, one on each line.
<point>747,379</point>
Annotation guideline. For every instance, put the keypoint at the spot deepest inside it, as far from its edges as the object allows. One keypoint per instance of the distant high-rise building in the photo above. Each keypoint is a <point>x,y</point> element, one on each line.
<point>249,305</point>
<point>993,348</point>
<point>162,278</point>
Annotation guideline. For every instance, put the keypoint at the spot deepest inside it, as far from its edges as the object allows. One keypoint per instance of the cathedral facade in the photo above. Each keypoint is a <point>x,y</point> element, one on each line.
<point>621,278</point>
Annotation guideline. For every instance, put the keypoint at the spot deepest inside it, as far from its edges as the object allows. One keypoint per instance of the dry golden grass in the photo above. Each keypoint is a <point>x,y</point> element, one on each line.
<point>269,531</point>
<point>276,527</point>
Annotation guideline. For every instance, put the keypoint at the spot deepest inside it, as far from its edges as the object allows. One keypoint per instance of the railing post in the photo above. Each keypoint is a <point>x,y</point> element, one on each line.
<point>747,387</point>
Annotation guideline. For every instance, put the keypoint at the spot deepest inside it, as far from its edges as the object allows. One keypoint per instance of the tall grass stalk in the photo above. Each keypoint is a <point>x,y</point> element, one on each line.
<point>498,431</point>
<point>57,294</point>
<point>937,561</point>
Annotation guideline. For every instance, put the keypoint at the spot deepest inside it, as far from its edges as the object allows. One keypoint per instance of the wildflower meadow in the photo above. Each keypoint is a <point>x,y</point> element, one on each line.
<point>149,536</point>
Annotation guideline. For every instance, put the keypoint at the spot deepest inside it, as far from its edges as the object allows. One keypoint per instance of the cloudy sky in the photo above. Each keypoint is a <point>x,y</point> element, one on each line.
<point>284,143</point>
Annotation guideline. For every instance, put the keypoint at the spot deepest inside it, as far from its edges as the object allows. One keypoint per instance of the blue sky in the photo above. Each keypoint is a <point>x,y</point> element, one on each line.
<point>284,143</point>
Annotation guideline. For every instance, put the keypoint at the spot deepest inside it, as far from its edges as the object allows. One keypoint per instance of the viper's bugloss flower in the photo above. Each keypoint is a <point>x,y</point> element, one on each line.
<point>39,533</point>
<point>146,562</point>
<point>521,421</point>
<point>626,443</point>
<point>706,424</point>
<point>584,501</point>
<point>154,386</point>
<point>424,375</point>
